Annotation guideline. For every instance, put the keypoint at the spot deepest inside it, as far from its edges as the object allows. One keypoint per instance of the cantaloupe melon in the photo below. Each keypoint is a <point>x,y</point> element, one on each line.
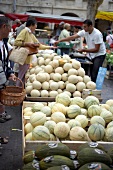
<point>40,133</point>
<point>73,111</point>
<point>61,130</point>
<point>58,117</point>
<point>94,110</point>
<point>77,101</point>
<point>37,118</point>
<point>63,99</point>
<point>50,125</point>
<point>96,132</point>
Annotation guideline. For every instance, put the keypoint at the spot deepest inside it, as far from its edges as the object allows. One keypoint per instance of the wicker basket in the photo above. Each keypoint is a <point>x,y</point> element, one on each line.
<point>12,95</point>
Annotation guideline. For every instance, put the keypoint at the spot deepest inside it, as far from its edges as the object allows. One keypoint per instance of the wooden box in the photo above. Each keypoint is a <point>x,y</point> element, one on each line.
<point>32,145</point>
<point>89,92</point>
<point>40,99</point>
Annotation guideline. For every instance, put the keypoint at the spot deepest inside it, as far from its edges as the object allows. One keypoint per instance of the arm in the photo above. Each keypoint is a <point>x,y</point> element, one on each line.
<point>68,38</point>
<point>93,50</point>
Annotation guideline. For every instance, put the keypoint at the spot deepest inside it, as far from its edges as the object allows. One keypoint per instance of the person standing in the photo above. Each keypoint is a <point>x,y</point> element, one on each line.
<point>65,33</point>
<point>109,38</point>
<point>26,38</point>
<point>6,72</point>
<point>96,48</point>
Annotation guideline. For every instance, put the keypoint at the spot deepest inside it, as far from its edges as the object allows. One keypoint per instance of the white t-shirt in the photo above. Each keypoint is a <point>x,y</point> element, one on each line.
<point>109,39</point>
<point>94,38</point>
<point>1,48</point>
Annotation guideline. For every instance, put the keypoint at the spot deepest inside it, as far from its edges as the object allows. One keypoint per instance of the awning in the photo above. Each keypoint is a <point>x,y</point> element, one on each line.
<point>105,15</point>
<point>46,18</point>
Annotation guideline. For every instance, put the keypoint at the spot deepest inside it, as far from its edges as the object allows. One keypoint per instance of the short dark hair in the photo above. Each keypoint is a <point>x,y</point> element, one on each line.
<point>4,20</point>
<point>88,22</point>
<point>31,21</point>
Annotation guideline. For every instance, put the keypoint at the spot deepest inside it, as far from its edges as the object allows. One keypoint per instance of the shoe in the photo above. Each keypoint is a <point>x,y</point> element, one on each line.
<point>4,117</point>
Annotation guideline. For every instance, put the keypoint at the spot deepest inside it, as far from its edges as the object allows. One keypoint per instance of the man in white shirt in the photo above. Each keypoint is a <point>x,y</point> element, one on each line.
<point>96,47</point>
<point>109,38</point>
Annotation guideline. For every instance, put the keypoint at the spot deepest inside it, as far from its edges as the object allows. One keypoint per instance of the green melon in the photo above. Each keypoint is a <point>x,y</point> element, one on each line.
<point>96,165</point>
<point>43,151</point>
<point>56,160</point>
<point>88,155</point>
<point>28,157</point>
<point>96,132</point>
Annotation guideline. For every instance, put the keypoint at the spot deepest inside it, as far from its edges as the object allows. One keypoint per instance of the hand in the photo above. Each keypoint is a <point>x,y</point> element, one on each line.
<point>56,42</point>
<point>12,77</point>
<point>53,47</point>
<point>80,50</point>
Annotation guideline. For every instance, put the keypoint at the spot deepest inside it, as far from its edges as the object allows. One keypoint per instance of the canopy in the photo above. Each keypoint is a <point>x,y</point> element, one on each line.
<point>105,15</point>
<point>46,18</point>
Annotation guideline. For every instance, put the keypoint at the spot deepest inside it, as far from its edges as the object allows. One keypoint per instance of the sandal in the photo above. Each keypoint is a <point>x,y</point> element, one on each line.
<point>3,140</point>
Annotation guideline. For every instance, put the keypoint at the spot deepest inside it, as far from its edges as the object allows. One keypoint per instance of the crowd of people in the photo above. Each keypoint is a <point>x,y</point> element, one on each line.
<point>22,35</point>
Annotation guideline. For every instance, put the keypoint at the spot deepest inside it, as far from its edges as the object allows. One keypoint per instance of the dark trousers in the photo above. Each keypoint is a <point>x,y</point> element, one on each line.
<point>64,51</point>
<point>94,68</point>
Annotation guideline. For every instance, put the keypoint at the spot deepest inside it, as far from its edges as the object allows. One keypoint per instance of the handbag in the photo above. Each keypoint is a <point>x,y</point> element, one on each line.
<point>19,55</point>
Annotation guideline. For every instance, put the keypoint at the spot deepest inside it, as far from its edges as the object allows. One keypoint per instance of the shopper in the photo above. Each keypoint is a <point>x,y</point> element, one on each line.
<point>26,38</point>
<point>109,38</point>
<point>65,33</point>
<point>96,47</point>
<point>5,49</point>
<point>59,29</point>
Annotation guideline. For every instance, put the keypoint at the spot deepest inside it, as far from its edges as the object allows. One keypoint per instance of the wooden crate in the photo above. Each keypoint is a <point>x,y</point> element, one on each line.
<point>40,99</point>
<point>89,92</point>
<point>109,75</point>
<point>73,145</point>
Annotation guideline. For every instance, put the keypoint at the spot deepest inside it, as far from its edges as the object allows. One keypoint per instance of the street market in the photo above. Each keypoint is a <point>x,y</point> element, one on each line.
<point>59,93</point>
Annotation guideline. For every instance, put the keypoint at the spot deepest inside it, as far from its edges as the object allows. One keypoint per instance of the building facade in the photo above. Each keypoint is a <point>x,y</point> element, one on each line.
<point>59,7</point>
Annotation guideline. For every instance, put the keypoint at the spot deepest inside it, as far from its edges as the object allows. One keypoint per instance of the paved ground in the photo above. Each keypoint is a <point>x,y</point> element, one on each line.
<point>12,152</point>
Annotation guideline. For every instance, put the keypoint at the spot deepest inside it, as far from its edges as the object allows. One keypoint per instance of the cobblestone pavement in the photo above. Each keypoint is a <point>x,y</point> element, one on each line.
<point>12,152</point>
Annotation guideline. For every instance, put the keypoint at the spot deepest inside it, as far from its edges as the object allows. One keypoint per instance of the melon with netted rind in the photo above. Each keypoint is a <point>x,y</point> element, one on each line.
<point>98,119</point>
<point>37,106</point>
<point>58,107</point>
<point>28,128</point>
<point>73,111</point>
<point>109,134</point>
<point>110,124</point>
<point>72,123</point>
<point>50,124</point>
<point>94,110</point>
<point>96,132</point>
<point>77,101</point>
<point>63,99</point>
<point>106,115</point>
<point>83,120</point>
<point>58,117</point>
<point>78,134</point>
<point>46,110</point>
<point>90,100</point>
<point>109,102</point>
<point>37,118</point>
<point>61,130</point>
<point>40,133</point>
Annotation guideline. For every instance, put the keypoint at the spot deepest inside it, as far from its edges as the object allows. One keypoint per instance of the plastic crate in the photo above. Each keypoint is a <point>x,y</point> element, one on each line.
<point>65,45</point>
